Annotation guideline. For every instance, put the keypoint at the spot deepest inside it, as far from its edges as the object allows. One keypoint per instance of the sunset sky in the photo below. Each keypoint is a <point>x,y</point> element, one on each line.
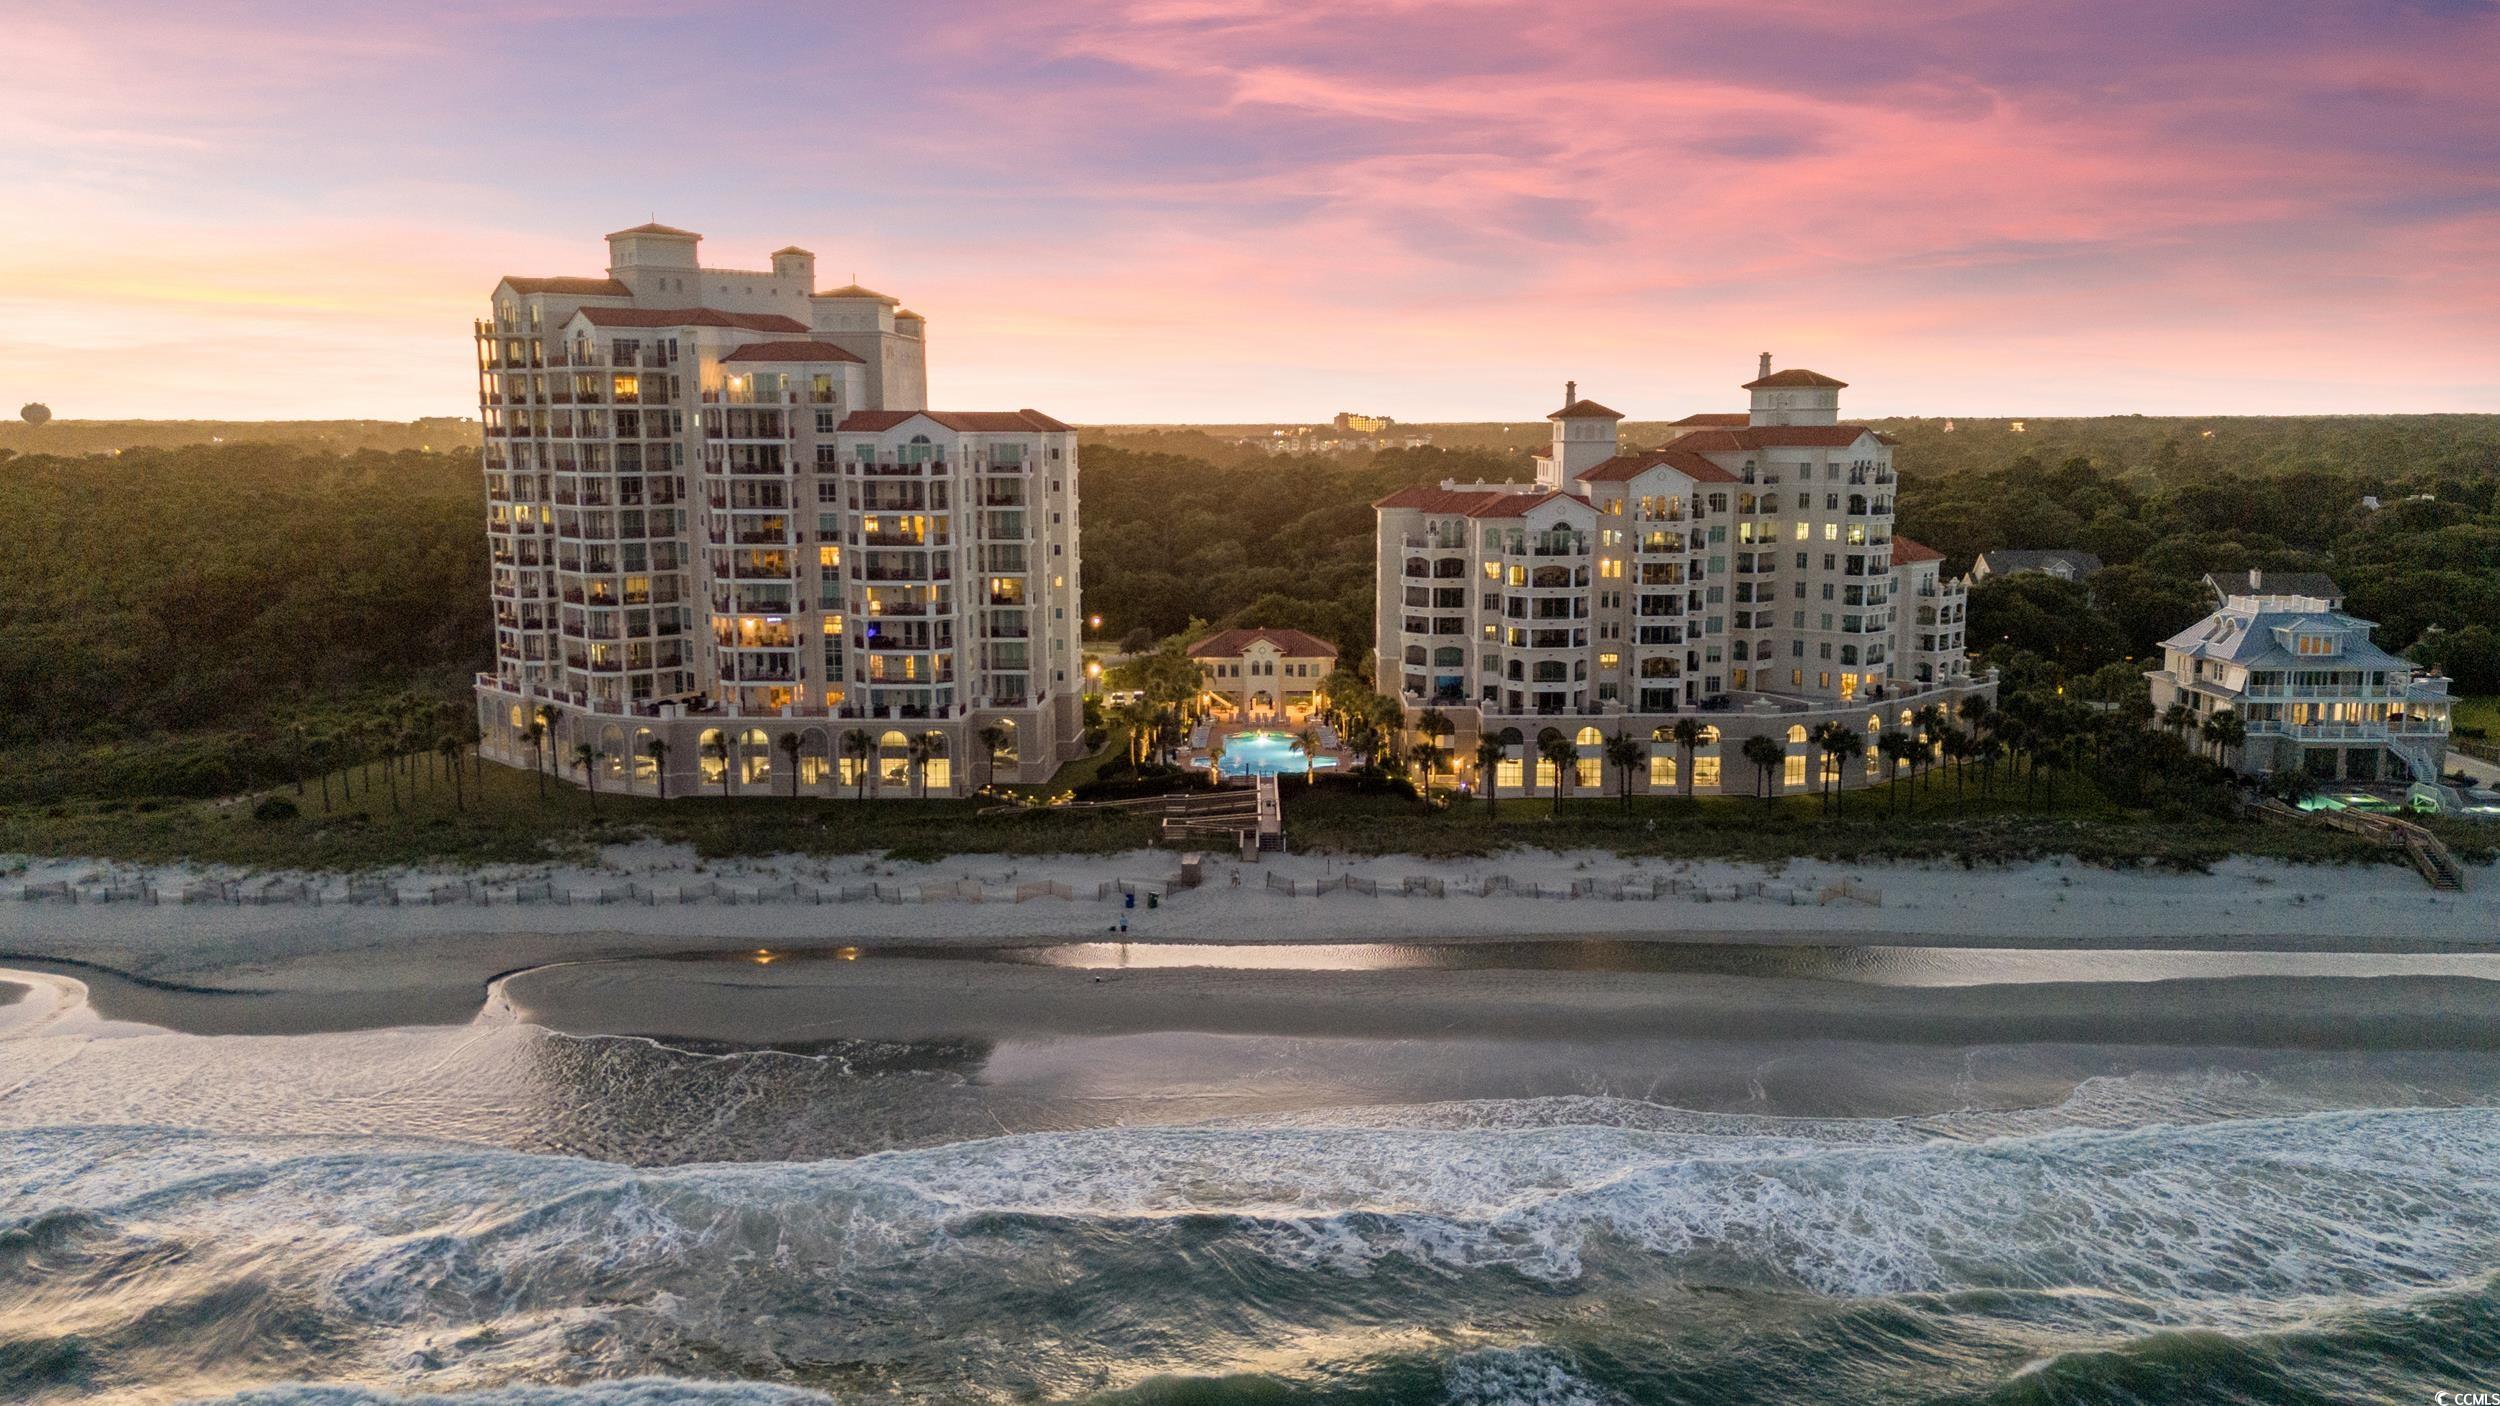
<point>1232,210</point>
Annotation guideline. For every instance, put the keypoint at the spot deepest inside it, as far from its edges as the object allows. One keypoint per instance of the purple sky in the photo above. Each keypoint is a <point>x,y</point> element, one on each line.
<point>1209,210</point>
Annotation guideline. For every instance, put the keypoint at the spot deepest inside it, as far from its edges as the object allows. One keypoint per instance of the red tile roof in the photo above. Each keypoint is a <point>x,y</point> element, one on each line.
<point>1293,643</point>
<point>659,229</point>
<point>1519,504</point>
<point>853,290</point>
<point>691,317</point>
<point>1713,419</point>
<point>1794,378</point>
<point>969,421</point>
<point>1905,551</point>
<point>1624,467</point>
<point>1772,437</point>
<point>1585,410</point>
<point>790,351</point>
<point>1425,498</point>
<point>581,287</point>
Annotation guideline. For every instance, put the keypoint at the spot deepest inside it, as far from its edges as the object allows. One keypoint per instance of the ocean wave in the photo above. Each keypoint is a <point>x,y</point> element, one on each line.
<point>2323,1203</point>
<point>199,1257</point>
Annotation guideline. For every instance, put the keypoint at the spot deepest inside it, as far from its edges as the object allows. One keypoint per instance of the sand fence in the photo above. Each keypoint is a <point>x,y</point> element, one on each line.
<point>379,892</point>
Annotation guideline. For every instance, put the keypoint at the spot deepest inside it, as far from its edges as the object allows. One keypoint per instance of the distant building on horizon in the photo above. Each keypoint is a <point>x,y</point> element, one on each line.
<point>2312,690</point>
<point>721,516</point>
<point>1746,575</point>
<point>1352,423</point>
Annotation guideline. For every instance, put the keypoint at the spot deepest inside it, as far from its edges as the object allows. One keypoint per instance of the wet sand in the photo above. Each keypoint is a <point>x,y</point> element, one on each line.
<point>799,1001</point>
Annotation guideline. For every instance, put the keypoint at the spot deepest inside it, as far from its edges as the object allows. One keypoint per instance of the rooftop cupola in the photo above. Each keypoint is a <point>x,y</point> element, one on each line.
<point>1584,437</point>
<point>1794,397</point>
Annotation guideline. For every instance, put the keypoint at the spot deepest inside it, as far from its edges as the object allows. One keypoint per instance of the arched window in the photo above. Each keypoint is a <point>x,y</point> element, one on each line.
<point>646,766</point>
<point>1417,566</point>
<point>894,759</point>
<point>1414,654</point>
<point>1908,718</point>
<point>1710,737</point>
<point>1589,737</point>
<point>708,758</point>
<point>755,757</point>
<point>612,751</point>
<point>815,756</point>
<point>1797,734</point>
<point>1874,724</point>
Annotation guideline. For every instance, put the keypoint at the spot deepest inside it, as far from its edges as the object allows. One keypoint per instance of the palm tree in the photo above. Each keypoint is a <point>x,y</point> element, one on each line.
<point>1388,719</point>
<point>391,745</point>
<point>297,736</point>
<point>586,761</point>
<point>537,735</point>
<point>857,746</point>
<point>1765,753</point>
<point>922,750</point>
<point>657,750</point>
<point>321,751</point>
<point>788,743</point>
<point>1895,748</point>
<point>1490,754</point>
<point>1977,713</point>
<point>1426,757</point>
<point>1623,754</point>
<point>2226,732</point>
<point>1838,743</point>
<point>1988,749</point>
<point>1688,734</point>
<point>1564,758</point>
<point>993,740</point>
<point>1955,744</point>
<point>717,747</point>
<point>1931,723</point>
<point>2178,718</point>
<point>547,718</point>
<point>448,748</point>
<point>1436,728</point>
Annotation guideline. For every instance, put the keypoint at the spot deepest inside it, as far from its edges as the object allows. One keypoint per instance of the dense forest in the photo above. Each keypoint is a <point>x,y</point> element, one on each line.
<point>221,587</point>
<point>193,603</point>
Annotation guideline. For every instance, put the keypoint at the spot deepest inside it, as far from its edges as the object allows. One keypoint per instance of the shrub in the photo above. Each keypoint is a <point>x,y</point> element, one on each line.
<point>274,808</point>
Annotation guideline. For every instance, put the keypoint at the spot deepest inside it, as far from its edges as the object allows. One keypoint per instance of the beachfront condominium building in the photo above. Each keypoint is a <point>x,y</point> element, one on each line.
<point>732,547</point>
<point>1745,574</point>
<point>2310,688</point>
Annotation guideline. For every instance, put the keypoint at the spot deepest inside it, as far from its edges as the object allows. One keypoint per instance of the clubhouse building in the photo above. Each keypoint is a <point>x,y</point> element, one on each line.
<point>732,547</point>
<point>1744,574</point>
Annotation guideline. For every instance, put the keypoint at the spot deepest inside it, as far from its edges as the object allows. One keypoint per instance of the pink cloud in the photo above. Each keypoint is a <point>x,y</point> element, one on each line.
<point>1213,209</point>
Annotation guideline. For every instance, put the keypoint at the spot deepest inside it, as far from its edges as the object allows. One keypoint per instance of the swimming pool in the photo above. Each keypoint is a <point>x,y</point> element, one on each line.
<point>1266,754</point>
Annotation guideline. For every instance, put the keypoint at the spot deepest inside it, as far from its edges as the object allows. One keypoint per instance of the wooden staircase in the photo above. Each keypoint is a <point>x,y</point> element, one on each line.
<point>2429,857</point>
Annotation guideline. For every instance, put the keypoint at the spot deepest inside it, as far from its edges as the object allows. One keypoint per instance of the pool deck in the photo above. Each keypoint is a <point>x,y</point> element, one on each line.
<point>1328,753</point>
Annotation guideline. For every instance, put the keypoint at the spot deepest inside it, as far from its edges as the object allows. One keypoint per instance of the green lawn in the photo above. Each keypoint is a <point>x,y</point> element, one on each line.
<point>2477,711</point>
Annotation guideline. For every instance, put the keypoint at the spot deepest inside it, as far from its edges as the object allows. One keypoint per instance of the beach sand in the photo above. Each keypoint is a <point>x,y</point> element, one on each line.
<point>337,966</point>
